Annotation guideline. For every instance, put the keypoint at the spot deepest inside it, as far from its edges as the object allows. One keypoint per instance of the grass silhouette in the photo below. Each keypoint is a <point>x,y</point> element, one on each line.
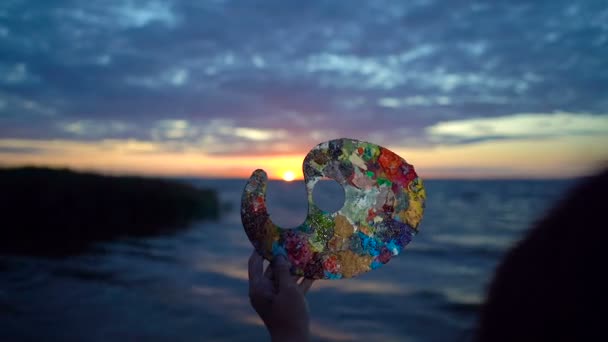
<point>58,211</point>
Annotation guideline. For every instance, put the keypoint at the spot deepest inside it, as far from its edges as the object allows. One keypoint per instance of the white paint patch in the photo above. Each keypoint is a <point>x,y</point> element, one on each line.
<point>357,161</point>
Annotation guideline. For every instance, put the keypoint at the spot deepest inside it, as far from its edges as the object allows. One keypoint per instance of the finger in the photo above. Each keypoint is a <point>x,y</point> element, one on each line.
<point>260,296</point>
<point>305,285</point>
<point>255,269</point>
<point>268,273</point>
<point>280,269</point>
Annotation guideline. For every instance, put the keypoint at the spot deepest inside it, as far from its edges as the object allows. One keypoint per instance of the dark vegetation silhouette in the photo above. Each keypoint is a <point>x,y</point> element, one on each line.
<point>59,212</point>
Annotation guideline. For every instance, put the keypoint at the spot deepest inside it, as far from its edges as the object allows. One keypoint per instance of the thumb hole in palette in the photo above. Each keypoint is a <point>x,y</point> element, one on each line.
<point>328,195</point>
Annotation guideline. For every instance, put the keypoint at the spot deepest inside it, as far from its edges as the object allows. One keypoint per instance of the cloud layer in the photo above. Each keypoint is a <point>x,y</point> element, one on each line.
<point>275,76</point>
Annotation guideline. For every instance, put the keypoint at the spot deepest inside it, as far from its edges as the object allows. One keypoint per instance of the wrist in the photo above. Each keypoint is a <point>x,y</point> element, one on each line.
<point>302,335</point>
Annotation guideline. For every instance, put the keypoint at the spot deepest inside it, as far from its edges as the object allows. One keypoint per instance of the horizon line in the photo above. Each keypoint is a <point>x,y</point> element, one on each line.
<point>126,173</point>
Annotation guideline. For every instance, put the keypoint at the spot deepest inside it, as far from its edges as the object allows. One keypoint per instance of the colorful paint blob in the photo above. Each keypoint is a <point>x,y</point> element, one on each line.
<point>383,207</point>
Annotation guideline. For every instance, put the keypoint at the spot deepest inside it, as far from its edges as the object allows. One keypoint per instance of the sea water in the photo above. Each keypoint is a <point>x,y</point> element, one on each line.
<point>192,285</point>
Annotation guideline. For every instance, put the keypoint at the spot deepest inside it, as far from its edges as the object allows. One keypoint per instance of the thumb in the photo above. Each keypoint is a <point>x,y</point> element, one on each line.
<point>280,269</point>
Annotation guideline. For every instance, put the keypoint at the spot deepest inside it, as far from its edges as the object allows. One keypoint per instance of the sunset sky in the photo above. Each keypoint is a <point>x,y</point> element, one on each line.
<point>460,89</point>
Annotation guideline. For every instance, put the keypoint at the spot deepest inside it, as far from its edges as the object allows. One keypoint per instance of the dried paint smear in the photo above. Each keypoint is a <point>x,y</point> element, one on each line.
<point>384,203</point>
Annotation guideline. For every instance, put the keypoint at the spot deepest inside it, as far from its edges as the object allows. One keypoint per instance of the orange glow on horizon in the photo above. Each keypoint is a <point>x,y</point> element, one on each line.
<point>556,157</point>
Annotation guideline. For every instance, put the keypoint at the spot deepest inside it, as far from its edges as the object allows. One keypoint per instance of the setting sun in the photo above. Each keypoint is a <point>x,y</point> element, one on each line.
<point>288,176</point>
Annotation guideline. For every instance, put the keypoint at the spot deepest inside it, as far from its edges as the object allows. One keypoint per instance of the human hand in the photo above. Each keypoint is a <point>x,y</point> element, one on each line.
<point>278,298</point>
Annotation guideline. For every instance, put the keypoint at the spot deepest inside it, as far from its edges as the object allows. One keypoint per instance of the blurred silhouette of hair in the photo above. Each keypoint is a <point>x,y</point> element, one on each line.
<point>552,285</point>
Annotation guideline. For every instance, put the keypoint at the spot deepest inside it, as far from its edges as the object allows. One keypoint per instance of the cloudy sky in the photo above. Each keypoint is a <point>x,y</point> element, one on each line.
<point>219,88</point>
